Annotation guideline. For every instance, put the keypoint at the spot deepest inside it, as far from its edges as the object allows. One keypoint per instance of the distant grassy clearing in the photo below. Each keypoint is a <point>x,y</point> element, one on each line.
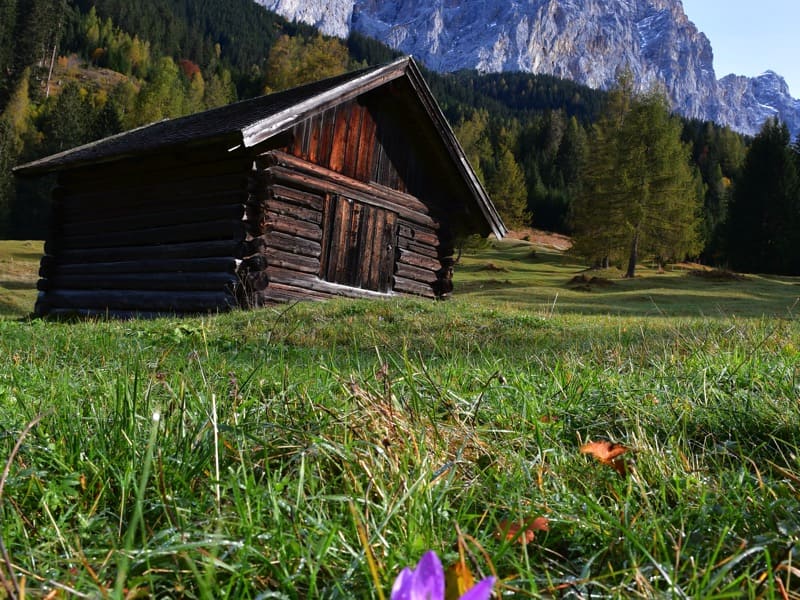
<point>19,267</point>
<point>517,275</point>
<point>520,276</point>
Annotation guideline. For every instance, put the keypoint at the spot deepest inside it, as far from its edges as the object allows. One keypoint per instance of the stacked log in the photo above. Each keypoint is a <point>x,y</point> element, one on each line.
<point>164,237</point>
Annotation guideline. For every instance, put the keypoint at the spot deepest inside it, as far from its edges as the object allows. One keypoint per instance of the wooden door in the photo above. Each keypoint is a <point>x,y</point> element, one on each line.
<point>359,243</point>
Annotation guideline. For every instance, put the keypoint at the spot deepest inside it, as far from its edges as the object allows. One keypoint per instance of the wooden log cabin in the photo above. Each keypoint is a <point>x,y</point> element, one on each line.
<point>351,186</point>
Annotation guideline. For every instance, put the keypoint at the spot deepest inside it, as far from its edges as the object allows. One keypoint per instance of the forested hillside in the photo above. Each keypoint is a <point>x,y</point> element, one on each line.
<point>78,70</point>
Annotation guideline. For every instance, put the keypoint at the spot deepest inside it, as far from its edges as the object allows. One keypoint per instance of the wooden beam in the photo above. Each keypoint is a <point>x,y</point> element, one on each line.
<point>140,281</point>
<point>410,272</point>
<point>203,249</point>
<point>152,218</point>
<point>133,300</point>
<point>410,286</point>
<point>192,232</point>
<point>50,264</point>
<point>292,244</point>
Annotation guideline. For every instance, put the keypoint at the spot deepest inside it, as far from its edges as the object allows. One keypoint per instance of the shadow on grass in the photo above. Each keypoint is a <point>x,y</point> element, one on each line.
<point>17,285</point>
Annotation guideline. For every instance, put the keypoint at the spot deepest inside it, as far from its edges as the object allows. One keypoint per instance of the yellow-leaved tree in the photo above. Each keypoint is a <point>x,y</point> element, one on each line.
<point>294,61</point>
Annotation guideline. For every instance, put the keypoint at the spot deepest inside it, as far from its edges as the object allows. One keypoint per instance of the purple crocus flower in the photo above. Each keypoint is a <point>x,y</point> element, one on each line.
<point>426,582</point>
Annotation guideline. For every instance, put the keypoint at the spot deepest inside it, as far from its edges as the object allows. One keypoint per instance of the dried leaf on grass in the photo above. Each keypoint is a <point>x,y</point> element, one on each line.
<point>608,453</point>
<point>523,532</point>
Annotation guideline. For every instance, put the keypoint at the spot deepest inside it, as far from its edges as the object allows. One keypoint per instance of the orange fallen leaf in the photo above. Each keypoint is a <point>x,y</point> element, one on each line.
<point>457,580</point>
<point>608,453</point>
<point>524,532</point>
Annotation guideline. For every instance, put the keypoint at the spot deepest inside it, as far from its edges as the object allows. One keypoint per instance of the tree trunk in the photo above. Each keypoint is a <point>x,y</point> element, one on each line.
<point>633,256</point>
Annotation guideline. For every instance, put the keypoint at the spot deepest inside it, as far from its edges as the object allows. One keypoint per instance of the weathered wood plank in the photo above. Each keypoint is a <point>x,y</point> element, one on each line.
<point>214,248</point>
<point>292,244</point>
<point>406,244</point>
<point>306,281</point>
<point>422,237</point>
<point>133,300</point>
<point>419,234</point>
<point>370,259</point>
<point>314,135</point>
<point>363,169</point>
<point>325,137</point>
<point>281,159</point>
<point>287,209</point>
<point>339,139</point>
<point>410,286</point>
<point>387,230</point>
<point>140,281</point>
<point>299,197</point>
<point>415,273</point>
<point>193,232</point>
<point>50,264</point>
<point>354,120</point>
<point>284,224</point>
<point>416,259</point>
<point>148,219</point>
<point>286,260</point>
<point>279,292</point>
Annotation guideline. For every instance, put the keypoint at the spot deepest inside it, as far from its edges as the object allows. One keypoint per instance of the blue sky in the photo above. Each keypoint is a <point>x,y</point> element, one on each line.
<point>751,36</point>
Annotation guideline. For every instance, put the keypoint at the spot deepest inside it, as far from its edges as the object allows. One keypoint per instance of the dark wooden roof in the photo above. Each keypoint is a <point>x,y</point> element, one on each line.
<point>250,122</point>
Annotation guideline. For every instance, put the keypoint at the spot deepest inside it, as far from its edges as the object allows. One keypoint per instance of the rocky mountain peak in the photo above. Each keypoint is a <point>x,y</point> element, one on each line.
<point>588,41</point>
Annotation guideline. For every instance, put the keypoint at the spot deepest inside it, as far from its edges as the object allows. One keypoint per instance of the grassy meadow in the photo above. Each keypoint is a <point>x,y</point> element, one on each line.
<point>313,450</point>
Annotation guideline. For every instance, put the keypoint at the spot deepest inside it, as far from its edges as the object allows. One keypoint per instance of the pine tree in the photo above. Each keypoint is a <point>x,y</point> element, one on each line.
<point>69,121</point>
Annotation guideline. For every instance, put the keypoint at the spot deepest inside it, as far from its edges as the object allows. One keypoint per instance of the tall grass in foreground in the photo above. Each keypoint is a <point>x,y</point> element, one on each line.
<point>239,456</point>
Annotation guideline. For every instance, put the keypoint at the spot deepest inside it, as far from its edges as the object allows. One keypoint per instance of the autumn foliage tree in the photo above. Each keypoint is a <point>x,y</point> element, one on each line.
<point>639,193</point>
<point>294,61</point>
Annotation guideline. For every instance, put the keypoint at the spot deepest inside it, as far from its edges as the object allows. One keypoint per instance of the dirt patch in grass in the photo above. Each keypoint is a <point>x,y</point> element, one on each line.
<point>585,283</point>
<point>494,268</point>
<point>544,239</point>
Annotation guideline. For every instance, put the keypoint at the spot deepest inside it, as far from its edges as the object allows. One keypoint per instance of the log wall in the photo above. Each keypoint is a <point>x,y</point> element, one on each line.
<point>152,236</point>
<point>318,233</point>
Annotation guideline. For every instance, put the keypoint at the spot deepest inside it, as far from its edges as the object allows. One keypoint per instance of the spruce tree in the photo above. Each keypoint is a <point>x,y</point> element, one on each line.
<point>764,214</point>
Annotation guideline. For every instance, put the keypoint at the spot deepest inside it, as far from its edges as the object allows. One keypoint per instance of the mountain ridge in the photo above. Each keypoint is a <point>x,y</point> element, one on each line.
<point>587,41</point>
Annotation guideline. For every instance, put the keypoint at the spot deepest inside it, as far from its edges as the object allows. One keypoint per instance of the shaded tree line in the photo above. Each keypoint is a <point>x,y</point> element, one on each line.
<point>763,221</point>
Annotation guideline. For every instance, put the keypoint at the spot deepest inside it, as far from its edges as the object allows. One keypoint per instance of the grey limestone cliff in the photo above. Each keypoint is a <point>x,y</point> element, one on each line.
<point>588,41</point>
